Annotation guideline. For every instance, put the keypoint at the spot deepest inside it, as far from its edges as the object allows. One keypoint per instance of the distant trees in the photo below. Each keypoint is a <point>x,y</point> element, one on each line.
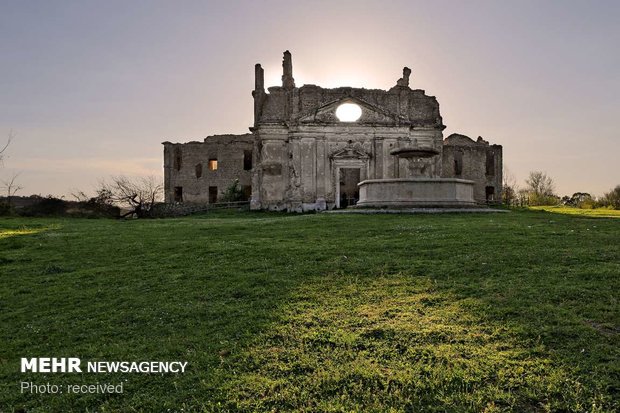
<point>540,189</point>
<point>584,200</point>
<point>580,200</point>
<point>612,198</point>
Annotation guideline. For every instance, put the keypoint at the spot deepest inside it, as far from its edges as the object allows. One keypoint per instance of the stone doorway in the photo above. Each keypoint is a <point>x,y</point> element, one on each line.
<point>349,191</point>
<point>490,193</point>
<point>213,194</point>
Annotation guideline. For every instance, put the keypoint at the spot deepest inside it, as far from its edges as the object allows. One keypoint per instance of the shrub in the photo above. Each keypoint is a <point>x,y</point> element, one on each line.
<point>233,193</point>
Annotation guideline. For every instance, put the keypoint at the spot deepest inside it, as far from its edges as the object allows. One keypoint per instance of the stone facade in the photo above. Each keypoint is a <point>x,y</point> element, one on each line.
<point>305,156</point>
<point>476,161</point>
<point>200,172</point>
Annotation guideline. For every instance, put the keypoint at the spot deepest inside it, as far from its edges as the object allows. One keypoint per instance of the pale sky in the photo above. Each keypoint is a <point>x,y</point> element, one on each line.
<point>92,88</point>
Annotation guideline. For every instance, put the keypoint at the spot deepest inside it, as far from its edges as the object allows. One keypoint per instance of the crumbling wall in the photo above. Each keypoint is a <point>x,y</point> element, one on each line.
<point>189,173</point>
<point>411,107</point>
<point>477,161</point>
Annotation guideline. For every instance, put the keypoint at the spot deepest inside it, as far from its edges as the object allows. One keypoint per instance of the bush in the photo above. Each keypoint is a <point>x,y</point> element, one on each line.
<point>233,193</point>
<point>49,206</point>
<point>5,209</point>
<point>52,206</point>
<point>535,199</point>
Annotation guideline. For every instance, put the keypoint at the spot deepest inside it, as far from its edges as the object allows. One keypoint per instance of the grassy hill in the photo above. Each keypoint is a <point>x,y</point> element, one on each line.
<point>273,312</point>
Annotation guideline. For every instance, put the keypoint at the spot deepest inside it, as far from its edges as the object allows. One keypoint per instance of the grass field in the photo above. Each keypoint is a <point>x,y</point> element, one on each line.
<point>350,313</point>
<point>598,212</point>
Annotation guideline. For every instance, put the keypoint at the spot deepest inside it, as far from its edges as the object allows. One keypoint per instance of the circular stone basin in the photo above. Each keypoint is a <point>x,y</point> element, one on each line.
<point>414,152</point>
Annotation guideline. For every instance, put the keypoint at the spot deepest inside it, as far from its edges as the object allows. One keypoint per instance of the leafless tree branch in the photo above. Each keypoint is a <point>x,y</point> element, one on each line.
<point>6,145</point>
<point>11,187</point>
<point>137,194</point>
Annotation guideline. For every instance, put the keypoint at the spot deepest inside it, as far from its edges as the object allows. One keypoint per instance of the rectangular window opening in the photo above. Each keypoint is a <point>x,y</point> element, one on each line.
<point>178,194</point>
<point>212,194</point>
<point>490,164</point>
<point>490,193</point>
<point>213,164</point>
<point>247,160</point>
<point>458,163</point>
<point>177,159</point>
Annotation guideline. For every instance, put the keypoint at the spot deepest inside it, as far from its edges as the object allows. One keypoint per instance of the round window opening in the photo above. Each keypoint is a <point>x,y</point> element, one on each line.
<point>348,112</point>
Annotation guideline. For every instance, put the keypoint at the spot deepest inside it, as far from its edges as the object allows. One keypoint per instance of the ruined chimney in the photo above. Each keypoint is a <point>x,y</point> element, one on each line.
<point>287,71</point>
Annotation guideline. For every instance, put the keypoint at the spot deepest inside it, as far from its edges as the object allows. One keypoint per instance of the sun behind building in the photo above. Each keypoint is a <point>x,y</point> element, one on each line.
<point>312,148</point>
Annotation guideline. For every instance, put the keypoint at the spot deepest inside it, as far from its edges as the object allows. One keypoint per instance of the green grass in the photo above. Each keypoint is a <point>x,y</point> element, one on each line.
<point>598,212</point>
<point>415,313</point>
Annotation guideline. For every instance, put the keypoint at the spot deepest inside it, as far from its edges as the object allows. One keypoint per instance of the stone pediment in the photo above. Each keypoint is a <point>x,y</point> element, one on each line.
<point>371,114</point>
<point>349,153</point>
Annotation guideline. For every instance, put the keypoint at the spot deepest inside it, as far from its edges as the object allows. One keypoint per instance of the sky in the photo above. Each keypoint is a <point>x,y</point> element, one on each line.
<point>90,89</point>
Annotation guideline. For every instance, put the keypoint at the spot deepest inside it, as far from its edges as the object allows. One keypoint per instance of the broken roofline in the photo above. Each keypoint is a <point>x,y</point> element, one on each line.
<point>288,103</point>
<point>288,82</point>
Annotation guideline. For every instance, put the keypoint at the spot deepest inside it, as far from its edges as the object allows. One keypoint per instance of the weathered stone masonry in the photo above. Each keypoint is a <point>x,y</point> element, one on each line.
<point>200,172</point>
<point>303,157</point>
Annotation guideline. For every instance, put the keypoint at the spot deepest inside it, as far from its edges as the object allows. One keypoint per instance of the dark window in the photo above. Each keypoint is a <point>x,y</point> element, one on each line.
<point>178,194</point>
<point>458,163</point>
<point>213,164</point>
<point>490,193</point>
<point>247,160</point>
<point>212,194</point>
<point>177,159</point>
<point>490,164</point>
<point>198,170</point>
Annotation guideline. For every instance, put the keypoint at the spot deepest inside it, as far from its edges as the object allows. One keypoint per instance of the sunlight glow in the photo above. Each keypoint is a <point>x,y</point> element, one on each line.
<point>348,112</point>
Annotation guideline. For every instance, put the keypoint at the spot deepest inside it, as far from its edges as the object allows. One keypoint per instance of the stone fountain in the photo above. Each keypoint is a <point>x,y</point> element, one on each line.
<point>422,187</point>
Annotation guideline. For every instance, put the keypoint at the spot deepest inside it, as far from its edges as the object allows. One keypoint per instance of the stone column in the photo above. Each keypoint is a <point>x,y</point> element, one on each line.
<point>378,158</point>
<point>321,164</point>
<point>295,176</point>
<point>390,163</point>
<point>308,169</point>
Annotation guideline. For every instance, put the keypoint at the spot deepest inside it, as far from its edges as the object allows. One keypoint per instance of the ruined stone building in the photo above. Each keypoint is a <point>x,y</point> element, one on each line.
<point>310,147</point>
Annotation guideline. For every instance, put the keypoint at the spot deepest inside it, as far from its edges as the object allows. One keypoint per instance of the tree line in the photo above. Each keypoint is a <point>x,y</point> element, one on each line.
<point>539,189</point>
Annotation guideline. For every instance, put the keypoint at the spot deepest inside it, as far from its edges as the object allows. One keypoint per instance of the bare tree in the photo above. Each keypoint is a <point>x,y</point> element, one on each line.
<point>540,188</point>
<point>6,145</point>
<point>11,187</point>
<point>509,187</point>
<point>138,195</point>
<point>80,196</point>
